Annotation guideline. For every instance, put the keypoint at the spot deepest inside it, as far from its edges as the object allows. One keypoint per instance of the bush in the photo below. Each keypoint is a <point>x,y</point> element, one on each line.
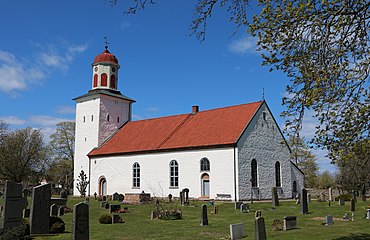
<point>170,214</point>
<point>56,225</point>
<point>105,219</point>
<point>17,233</point>
<point>277,225</point>
<point>345,197</point>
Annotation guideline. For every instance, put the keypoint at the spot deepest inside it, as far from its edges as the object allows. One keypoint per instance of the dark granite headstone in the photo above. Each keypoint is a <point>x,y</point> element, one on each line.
<point>11,216</point>
<point>260,230</point>
<point>186,196</point>
<point>58,201</point>
<point>215,209</point>
<point>204,217</point>
<point>182,198</point>
<point>115,196</point>
<point>304,204</point>
<point>238,204</point>
<point>275,197</point>
<point>26,213</point>
<point>244,208</point>
<point>353,205</point>
<point>63,194</point>
<point>329,220</point>
<point>107,205</point>
<point>40,209</point>
<point>341,202</point>
<point>116,218</point>
<point>114,208</point>
<point>80,229</point>
<point>170,197</point>
<point>53,210</point>
<point>121,197</point>
<point>104,198</point>
<point>290,222</point>
<point>60,211</point>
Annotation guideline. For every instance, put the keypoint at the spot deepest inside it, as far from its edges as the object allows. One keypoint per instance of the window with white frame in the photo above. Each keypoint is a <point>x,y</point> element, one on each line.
<point>174,174</point>
<point>136,175</point>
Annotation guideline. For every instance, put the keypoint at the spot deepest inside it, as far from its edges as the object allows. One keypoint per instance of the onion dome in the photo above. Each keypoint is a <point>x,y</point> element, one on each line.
<point>105,57</point>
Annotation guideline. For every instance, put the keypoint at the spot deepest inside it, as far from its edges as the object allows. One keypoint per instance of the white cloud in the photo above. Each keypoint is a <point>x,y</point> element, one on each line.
<point>46,121</point>
<point>11,120</point>
<point>126,24</point>
<point>244,45</point>
<point>152,109</point>
<point>66,110</point>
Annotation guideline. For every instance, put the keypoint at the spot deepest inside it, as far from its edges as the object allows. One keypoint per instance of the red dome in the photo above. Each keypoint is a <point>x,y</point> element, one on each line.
<point>106,56</point>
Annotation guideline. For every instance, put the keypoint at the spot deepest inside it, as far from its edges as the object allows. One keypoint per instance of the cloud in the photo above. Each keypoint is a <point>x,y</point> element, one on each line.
<point>11,120</point>
<point>244,45</point>
<point>66,110</point>
<point>46,121</point>
<point>126,24</point>
<point>152,109</point>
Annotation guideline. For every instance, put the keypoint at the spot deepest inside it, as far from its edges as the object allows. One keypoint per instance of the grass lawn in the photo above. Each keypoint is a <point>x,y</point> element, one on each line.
<point>139,226</point>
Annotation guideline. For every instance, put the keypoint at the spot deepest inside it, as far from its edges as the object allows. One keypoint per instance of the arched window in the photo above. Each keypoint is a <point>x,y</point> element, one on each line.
<point>174,174</point>
<point>118,119</point>
<point>254,173</point>
<point>136,175</point>
<point>113,81</point>
<point>108,118</point>
<point>295,186</point>
<point>95,80</point>
<point>102,186</point>
<point>103,80</point>
<point>277,174</point>
<point>204,164</point>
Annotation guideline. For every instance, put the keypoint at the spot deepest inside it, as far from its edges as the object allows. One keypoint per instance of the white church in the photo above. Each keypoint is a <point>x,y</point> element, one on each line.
<point>232,153</point>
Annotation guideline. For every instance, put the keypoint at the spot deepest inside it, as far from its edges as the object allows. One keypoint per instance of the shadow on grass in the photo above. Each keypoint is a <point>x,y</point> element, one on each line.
<point>360,236</point>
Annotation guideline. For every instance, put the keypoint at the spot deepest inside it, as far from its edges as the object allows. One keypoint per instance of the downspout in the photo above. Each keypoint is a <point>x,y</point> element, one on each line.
<point>88,192</point>
<point>234,174</point>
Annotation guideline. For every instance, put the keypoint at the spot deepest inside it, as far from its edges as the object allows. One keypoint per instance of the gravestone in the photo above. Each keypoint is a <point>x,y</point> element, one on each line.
<point>60,211</point>
<point>106,205</point>
<point>58,201</point>
<point>26,213</point>
<point>353,205</point>
<point>298,201</point>
<point>80,229</point>
<point>114,208</point>
<point>53,210</point>
<point>238,204</point>
<point>115,218</point>
<point>95,194</point>
<point>244,208</point>
<point>186,196</point>
<point>259,230</point>
<point>40,209</point>
<point>367,213</point>
<point>353,193</point>
<point>11,216</point>
<point>63,194</point>
<point>308,197</point>
<point>115,196</point>
<point>170,197</point>
<point>329,220</point>
<point>236,231</point>
<point>275,197</point>
<point>215,209</point>
<point>104,198</point>
<point>341,202</point>
<point>290,222</point>
<point>182,198</point>
<point>154,214</point>
<point>330,194</point>
<point>304,204</point>
<point>102,204</point>
<point>121,197</point>
<point>257,214</point>
<point>203,216</point>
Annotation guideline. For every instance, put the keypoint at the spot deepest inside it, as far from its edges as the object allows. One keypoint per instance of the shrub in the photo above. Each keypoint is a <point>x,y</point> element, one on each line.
<point>173,214</point>
<point>19,232</point>
<point>56,225</point>
<point>105,219</point>
<point>345,197</point>
<point>99,198</point>
<point>277,225</point>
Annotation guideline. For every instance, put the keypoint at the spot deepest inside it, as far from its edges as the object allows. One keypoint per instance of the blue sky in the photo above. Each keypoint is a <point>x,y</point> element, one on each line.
<point>47,48</point>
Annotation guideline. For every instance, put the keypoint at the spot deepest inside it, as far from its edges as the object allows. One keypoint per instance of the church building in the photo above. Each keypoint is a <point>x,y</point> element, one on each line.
<point>231,153</point>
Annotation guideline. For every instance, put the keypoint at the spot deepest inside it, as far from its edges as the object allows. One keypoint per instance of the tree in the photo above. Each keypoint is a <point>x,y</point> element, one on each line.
<point>323,48</point>
<point>62,151</point>
<point>22,154</point>
<point>82,183</point>
<point>326,180</point>
<point>305,160</point>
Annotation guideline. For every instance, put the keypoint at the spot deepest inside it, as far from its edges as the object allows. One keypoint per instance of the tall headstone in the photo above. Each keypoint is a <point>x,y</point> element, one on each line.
<point>236,231</point>
<point>260,230</point>
<point>80,229</point>
<point>181,198</point>
<point>115,196</point>
<point>40,209</point>
<point>11,216</point>
<point>186,196</point>
<point>54,210</point>
<point>353,193</point>
<point>367,213</point>
<point>275,197</point>
<point>204,217</point>
<point>304,204</point>
<point>353,205</point>
<point>238,204</point>
<point>308,197</point>
<point>331,195</point>
<point>257,214</point>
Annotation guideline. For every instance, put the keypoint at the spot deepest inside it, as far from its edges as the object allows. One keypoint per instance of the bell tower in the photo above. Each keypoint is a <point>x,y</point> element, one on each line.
<point>100,112</point>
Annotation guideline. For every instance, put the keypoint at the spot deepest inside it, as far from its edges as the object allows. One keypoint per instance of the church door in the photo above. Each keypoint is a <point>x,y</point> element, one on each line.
<point>103,187</point>
<point>205,185</point>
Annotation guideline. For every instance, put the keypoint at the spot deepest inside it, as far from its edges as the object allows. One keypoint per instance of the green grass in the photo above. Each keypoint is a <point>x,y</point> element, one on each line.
<point>139,226</point>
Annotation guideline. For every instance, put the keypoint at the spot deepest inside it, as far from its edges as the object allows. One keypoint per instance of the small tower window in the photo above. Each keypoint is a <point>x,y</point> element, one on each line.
<point>92,118</point>
<point>103,80</point>
<point>113,81</point>
<point>95,80</point>
<point>84,119</point>
<point>118,119</point>
<point>264,115</point>
<point>108,118</point>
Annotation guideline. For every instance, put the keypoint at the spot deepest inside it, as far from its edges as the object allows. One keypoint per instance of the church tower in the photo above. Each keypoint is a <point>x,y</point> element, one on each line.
<point>100,112</point>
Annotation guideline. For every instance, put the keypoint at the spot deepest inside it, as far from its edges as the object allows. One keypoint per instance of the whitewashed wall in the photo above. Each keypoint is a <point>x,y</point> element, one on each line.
<point>263,142</point>
<point>298,177</point>
<point>155,173</point>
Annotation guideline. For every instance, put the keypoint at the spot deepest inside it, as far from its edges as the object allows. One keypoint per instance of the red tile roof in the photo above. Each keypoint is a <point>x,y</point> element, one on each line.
<point>216,127</point>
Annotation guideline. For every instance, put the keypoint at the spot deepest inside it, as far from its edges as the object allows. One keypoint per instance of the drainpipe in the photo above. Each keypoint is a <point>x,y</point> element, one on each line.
<point>235,175</point>
<point>88,192</point>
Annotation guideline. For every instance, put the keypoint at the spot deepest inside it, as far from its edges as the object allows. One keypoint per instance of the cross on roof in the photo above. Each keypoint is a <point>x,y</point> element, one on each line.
<point>106,42</point>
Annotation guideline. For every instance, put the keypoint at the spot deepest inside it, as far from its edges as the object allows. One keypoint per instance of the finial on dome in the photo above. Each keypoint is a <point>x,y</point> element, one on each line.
<point>106,42</point>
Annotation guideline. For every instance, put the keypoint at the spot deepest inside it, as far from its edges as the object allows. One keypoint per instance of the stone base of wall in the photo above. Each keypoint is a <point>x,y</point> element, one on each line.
<point>137,198</point>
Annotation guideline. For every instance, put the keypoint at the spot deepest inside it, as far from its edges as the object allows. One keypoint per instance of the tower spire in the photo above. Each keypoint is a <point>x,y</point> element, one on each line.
<point>106,42</point>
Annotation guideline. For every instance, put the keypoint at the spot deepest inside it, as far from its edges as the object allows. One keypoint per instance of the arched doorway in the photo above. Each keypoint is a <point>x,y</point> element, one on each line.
<point>102,186</point>
<point>205,185</point>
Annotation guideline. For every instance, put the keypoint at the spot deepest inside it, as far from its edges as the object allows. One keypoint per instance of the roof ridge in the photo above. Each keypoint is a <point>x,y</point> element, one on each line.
<point>232,106</point>
<point>175,130</point>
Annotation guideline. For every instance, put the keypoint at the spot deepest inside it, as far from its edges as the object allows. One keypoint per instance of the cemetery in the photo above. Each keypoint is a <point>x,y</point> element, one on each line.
<point>198,219</point>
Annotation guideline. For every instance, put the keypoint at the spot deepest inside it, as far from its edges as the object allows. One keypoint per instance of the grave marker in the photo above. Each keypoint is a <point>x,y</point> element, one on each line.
<point>26,213</point>
<point>53,210</point>
<point>290,222</point>
<point>115,196</point>
<point>341,202</point>
<point>40,209</point>
<point>80,229</point>
<point>236,231</point>
<point>330,194</point>
<point>204,217</point>
<point>238,204</point>
<point>353,205</point>
<point>275,197</point>
<point>11,216</point>
<point>260,230</point>
<point>329,220</point>
<point>304,204</point>
<point>367,213</point>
